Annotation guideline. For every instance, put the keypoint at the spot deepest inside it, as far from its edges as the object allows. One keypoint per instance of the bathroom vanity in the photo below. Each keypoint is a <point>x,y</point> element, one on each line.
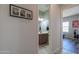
<point>43,38</point>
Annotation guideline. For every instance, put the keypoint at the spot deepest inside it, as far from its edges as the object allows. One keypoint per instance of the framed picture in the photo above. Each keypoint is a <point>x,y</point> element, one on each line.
<point>22,13</point>
<point>16,11</point>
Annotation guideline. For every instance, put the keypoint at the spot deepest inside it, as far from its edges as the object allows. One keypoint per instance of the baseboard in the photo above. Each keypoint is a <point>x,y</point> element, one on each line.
<point>57,51</point>
<point>4,52</point>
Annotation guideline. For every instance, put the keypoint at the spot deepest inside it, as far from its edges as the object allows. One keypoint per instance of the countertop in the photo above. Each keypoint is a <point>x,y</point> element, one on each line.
<point>43,32</point>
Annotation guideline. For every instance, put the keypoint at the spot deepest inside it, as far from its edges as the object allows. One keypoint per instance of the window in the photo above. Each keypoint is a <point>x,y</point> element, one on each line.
<point>65,26</point>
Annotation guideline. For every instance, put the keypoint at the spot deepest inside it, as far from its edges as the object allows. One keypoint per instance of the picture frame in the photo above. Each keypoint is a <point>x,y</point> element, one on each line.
<point>20,12</point>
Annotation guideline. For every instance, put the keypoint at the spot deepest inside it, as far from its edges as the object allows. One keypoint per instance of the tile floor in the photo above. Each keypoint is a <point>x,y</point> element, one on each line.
<point>44,49</point>
<point>69,47</point>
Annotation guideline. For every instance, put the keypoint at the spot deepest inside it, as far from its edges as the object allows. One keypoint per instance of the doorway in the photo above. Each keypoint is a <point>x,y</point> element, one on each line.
<point>43,25</point>
<point>70,30</point>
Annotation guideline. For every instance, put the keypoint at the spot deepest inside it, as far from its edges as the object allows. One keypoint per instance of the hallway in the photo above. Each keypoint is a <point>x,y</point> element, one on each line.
<point>20,35</point>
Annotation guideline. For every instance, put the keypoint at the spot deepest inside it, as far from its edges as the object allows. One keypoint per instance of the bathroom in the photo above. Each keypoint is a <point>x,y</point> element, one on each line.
<point>43,25</point>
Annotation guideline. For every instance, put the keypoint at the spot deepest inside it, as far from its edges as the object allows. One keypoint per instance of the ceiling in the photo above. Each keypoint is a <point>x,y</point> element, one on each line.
<point>71,11</point>
<point>43,10</point>
<point>43,7</point>
<point>68,10</point>
<point>67,6</point>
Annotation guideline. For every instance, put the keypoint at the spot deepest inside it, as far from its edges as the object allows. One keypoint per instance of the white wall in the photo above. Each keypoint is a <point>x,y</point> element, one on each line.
<point>18,35</point>
<point>55,31</point>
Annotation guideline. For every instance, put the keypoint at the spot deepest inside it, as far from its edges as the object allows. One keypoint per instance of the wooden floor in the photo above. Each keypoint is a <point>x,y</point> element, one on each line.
<point>69,47</point>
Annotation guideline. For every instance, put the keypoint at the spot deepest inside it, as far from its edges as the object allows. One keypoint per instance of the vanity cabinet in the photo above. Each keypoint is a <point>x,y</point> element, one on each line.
<point>43,38</point>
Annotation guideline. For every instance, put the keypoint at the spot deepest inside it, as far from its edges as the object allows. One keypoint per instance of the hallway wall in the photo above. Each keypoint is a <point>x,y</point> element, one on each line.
<point>55,28</point>
<point>18,35</point>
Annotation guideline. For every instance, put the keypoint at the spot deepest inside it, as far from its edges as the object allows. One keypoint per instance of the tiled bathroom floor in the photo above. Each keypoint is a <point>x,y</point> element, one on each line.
<point>44,49</point>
